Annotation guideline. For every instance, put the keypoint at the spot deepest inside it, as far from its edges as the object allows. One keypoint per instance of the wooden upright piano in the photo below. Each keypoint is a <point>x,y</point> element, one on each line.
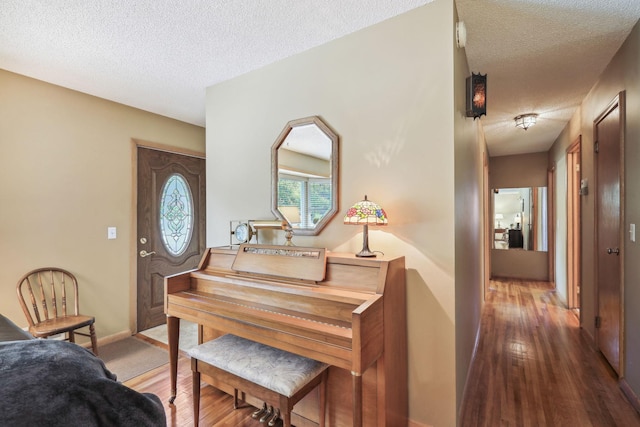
<point>346,311</point>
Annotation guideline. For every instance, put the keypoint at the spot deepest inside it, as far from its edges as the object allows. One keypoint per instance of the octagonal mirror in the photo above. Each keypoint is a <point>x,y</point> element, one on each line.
<point>304,175</point>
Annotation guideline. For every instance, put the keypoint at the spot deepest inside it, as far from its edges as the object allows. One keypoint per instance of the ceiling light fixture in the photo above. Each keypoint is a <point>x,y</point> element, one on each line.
<point>525,121</point>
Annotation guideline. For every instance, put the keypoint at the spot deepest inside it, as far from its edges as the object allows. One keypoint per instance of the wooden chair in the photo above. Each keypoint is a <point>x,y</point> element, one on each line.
<point>49,290</point>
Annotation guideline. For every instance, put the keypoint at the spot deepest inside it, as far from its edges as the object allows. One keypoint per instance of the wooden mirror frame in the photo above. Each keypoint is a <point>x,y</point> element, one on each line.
<point>333,137</point>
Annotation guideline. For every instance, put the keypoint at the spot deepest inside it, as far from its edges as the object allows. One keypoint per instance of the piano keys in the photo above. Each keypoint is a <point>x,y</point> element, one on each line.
<point>346,311</point>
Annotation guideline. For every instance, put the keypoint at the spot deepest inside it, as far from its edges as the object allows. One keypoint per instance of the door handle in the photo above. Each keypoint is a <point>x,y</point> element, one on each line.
<point>144,254</point>
<point>613,251</point>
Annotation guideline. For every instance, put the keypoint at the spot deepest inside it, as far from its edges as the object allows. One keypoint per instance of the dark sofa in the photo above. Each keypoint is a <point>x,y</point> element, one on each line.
<point>9,331</point>
<point>58,383</point>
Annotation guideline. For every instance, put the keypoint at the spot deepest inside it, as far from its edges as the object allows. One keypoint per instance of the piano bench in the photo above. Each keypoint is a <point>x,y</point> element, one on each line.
<point>277,377</point>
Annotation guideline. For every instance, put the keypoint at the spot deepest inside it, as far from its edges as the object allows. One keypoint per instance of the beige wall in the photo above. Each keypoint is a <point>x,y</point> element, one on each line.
<point>66,173</point>
<point>522,170</point>
<point>470,150</point>
<point>388,92</point>
<point>622,73</point>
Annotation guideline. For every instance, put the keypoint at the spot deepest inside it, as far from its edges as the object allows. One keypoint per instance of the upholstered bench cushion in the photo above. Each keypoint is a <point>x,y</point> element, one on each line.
<point>277,370</point>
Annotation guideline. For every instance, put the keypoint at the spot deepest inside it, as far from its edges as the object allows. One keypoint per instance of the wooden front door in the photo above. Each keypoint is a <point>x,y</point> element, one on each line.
<point>608,140</point>
<point>171,225</point>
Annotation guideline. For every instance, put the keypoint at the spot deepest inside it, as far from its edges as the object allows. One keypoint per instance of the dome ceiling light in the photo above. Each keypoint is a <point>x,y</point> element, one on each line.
<point>525,121</point>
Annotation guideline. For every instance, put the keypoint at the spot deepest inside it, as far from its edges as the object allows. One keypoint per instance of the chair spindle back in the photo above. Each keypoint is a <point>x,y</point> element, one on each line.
<point>47,292</point>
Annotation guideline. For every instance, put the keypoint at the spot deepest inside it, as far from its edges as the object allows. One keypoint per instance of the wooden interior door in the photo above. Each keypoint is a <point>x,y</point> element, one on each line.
<point>609,242</point>
<point>171,225</point>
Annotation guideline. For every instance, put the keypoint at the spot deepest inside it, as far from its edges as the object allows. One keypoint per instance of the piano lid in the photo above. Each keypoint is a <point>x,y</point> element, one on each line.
<point>292,262</point>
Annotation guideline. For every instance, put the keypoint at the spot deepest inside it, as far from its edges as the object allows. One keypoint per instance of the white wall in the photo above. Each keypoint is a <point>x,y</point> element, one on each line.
<point>388,92</point>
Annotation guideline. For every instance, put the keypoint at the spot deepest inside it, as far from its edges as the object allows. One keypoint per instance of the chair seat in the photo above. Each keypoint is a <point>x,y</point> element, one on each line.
<point>283,372</point>
<point>60,324</point>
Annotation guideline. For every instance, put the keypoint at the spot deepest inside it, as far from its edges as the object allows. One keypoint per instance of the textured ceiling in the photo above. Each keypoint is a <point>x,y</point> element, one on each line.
<point>540,56</point>
<point>160,55</point>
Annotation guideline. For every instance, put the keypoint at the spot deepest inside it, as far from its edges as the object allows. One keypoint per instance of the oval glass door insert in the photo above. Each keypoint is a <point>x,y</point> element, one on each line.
<point>176,214</point>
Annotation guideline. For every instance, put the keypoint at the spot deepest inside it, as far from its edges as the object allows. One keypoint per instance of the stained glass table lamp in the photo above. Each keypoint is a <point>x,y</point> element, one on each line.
<point>365,213</point>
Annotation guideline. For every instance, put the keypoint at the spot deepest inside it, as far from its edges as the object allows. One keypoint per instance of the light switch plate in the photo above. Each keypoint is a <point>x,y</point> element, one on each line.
<point>111,233</point>
<point>632,232</point>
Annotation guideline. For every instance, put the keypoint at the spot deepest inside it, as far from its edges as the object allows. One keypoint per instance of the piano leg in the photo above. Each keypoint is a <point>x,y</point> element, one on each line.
<point>357,399</point>
<point>173,334</point>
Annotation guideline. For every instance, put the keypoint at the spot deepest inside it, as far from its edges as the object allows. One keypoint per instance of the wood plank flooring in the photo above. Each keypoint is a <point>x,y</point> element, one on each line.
<point>216,407</point>
<point>534,366</point>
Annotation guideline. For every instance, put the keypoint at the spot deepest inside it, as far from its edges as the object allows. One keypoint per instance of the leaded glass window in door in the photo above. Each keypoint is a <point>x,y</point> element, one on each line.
<point>176,214</point>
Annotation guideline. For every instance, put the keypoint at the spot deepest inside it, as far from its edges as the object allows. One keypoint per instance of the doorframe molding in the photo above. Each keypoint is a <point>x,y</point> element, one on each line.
<point>619,101</point>
<point>574,250</point>
<point>133,221</point>
<point>551,224</point>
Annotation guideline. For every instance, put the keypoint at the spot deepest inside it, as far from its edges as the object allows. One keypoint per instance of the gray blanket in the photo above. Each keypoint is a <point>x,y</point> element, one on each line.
<point>57,383</point>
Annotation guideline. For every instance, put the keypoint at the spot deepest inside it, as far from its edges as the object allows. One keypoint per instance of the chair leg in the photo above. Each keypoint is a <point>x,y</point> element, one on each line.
<point>94,341</point>
<point>72,337</point>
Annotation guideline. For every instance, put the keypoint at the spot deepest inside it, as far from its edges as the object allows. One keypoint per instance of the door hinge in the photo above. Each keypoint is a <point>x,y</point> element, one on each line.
<point>598,322</point>
<point>596,147</point>
<point>578,167</point>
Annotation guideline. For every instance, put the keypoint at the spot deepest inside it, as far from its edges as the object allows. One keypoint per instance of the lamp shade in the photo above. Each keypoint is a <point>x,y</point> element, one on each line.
<point>365,213</point>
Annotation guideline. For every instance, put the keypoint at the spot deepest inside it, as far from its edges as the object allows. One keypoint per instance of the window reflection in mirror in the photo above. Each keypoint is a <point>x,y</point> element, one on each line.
<point>520,218</point>
<point>304,175</point>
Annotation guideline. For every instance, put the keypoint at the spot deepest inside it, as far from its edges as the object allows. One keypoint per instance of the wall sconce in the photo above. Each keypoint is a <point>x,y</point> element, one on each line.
<point>476,95</point>
<point>365,213</point>
<point>525,121</point>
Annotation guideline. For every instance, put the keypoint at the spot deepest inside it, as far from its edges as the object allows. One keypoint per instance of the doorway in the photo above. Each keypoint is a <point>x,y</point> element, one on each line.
<point>170,224</point>
<point>574,234</point>
<point>609,143</point>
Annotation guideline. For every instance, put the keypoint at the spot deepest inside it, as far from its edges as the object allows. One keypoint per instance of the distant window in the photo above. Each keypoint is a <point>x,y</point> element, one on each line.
<point>176,214</point>
<point>311,197</point>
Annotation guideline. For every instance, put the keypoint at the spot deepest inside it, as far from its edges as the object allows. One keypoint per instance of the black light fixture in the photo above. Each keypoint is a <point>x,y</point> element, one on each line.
<point>476,95</point>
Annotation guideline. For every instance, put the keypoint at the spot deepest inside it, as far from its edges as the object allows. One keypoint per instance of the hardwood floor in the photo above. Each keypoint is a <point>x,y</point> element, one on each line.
<point>216,407</point>
<point>534,367</point>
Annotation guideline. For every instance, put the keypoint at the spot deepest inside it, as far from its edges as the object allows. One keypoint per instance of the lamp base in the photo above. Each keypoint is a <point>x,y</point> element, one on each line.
<point>365,253</point>
<point>288,235</point>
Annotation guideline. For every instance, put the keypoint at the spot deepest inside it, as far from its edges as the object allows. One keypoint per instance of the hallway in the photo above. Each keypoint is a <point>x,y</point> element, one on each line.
<point>534,367</point>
